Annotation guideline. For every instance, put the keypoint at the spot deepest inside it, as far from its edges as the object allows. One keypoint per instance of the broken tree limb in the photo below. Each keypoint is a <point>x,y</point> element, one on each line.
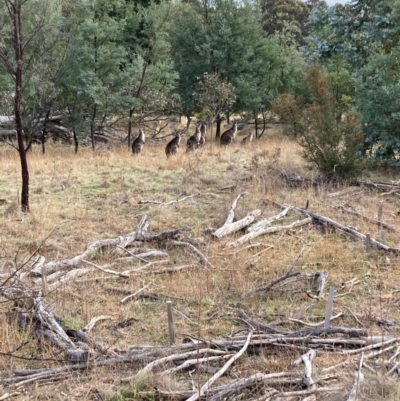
<point>269,286</point>
<point>341,227</point>
<point>307,380</point>
<point>210,382</point>
<point>93,322</point>
<point>231,213</point>
<point>229,228</point>
<point>203,259</point>
<point>359,377</point>
<point>354,212</point>
<point>267,222</point>
<point>267,230</point>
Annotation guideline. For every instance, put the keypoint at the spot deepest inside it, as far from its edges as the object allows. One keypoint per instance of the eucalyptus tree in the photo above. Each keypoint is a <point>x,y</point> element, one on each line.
<point>148,72</point>
<point>360,40</point>
<point>91,86</point>
<point>29,33</point>
<point>227,39</point>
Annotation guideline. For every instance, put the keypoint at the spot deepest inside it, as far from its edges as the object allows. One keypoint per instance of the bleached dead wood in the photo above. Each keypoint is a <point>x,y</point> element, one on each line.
<point>210,382</point>
<point>359,377</point>
<point>130,296</point>
<point>306,359</point>
<point>267,222</point>
<point>170,358</point>
<point>345,191</point>
<point>203,259</point>
<point>372,346</point>
<point>267,230</point>
<point>229,228</point>
<point>192,362</point>
<point>105,270</point>
<point>93,322</point>
<point>315,324</point>
<point>50,332</point>
<point>96,246</point>
<point>68,276</point>
<point>341,227</point>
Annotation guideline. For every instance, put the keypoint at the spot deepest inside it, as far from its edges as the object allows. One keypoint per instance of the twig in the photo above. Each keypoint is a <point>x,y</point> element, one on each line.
<point>123,300</point>
<point>210,382</point>
<point>93,321</point>
<point>203,259</point>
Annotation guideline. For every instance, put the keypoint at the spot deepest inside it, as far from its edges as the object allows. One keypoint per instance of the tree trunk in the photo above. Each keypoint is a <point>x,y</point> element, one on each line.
<point>218,129</point>
<point>92,128</point>
<point>189,120</point>
<point>255,123</point>
<point>130,128</point>
<point>264,123</point>
<point>16,20</point>
<point>76,142</point>
<point>43,137</point>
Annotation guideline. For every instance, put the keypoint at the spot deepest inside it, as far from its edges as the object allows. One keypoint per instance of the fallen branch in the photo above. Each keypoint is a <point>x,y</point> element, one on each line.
<point>210,382</point>
<point>354,212</point>
<point>267,222</point>
<point>341,227</point>
<point>267,230</point>
<point>203,259</point>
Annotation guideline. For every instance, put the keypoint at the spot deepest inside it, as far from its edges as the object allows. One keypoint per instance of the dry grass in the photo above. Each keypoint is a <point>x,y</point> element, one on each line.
<point>79,198</point>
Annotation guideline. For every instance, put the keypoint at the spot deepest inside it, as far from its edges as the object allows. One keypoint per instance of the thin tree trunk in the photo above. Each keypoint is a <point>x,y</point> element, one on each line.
<point>130,128</point>
<point>189,120</point>
<point>16,20</point>
<point>218,129</point>
<point>92,127</point>
<point>264,123</point>
<point>255,123</point>
<point>76,142</point>
<point>43,137</point>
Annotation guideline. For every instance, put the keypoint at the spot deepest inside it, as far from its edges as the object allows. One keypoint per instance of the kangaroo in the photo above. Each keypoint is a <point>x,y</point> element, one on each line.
<point>173,145</point>
<point>248,139</point>
<point>228,136</point>
<point>193,142</point>
<point>138,143</point>
<point>203,127</point>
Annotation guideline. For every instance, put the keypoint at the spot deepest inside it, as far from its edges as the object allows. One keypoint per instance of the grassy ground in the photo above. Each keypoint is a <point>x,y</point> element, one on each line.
<point>79,198</point>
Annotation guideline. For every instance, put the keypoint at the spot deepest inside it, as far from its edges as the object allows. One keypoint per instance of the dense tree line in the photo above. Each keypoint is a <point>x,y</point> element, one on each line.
<point>99,63</point>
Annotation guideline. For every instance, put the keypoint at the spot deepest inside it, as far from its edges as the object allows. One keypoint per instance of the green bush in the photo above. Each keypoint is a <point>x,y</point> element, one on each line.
<point>331,141</point>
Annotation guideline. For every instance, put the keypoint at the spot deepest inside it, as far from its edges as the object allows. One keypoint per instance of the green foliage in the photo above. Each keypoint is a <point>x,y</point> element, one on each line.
<point>216,95</point>
<point>279,14</point>
<point>330,143</point>
<point>378,94</point>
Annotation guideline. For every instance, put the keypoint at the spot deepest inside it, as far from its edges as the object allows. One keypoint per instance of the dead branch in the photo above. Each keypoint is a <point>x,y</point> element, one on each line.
<point>306,359</point>
<point>130,296</point>
<point>210,382</point>
<point>359,377</point>
<point>354,212</point>
<point>315,324</point>
<point>229,228</point>
<point>341,227</point>
<point>267,222</point>
<point>93,322</point>
<point>203,259</point>
<point>267,230</point>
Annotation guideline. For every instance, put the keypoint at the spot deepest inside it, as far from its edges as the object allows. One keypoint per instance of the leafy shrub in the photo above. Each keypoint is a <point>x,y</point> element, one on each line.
<point>331,142</point>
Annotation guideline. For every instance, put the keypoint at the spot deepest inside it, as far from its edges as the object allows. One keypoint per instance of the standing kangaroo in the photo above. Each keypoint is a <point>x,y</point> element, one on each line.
<point>203,127</point>
<point>138,143</point>
<point>193,142</point>
<point>173,145</point>
<point>228,136</point>
<point>248,139</point>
